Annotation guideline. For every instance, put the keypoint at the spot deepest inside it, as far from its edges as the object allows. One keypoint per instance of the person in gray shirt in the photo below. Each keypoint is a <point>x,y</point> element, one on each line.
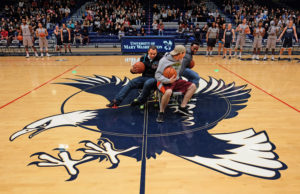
<point>186,71</point>
<point>211,38</point>
<point>173,84</point>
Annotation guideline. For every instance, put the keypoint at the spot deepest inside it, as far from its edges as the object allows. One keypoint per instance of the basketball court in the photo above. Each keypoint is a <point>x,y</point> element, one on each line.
<point>240,140</point>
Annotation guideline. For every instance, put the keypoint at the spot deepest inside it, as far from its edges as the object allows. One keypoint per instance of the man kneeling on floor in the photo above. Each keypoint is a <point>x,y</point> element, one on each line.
<point>174,84</point>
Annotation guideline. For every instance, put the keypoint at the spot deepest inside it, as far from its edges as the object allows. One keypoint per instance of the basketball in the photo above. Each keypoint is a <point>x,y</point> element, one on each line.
<point>192,64</point>
<point>247,31</point>
<point>42,34</point>
<point>20,38</point>
<point>169,72</point>
<point>139,67</point>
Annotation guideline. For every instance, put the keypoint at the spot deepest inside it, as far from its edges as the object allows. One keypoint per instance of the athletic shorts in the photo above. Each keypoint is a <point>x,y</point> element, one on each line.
<point>43,42</point>
<point>58,42</point>
<point>288,43</point>
<point>211,42</point>
<point>271,43</point>
<point>227,45</point>
<point>66,40</point>
<point>178,86</point>
<point>27,41</point>
<point>240,41</point>
<point>257,42</point>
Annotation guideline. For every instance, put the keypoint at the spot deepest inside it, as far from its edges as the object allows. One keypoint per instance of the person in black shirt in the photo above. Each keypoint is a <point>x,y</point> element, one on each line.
<point>197,32</point>
<point>147,82</point>
<point>130,31</point>
<point>221,42</point>
<point>78,38</point>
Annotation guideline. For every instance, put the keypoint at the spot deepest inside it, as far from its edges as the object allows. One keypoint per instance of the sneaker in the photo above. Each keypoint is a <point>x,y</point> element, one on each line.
<point>279,59</point>
<point>136,102</point>
<point>253,57</point>
<point>160,117</point>
<point>265,58</point>
<point>272,58</point>
<point>113,104</point>
<point>289,59</point>
<point>184,111</point>
<point>224,57</point>
<point>257,57</point>
<point>27,55</point>
<point>229,57</point>
<point>48,55</point>
<point>36,55</point>
<point>42,55</point>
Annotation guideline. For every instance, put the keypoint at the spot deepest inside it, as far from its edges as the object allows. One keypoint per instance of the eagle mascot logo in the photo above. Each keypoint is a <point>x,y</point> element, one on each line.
<point>134,133</point>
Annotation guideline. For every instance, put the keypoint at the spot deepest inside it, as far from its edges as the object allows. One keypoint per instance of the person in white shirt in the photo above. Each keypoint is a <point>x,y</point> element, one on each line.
<point>67,11</point>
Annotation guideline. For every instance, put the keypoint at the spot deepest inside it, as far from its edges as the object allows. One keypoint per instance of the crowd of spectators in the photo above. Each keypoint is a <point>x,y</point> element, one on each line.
<point>120,17</point>
<point>255,11</point>
<point>194,12</point>
<point>48,12</point>
<point>115,17</point>
<point>236,10</point>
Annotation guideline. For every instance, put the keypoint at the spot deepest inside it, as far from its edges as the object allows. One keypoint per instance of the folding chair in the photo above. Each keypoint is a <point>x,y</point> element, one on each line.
<point>3,46</point>
<point>14,46</point>
<point>51,45</point>
<point>175,99</point>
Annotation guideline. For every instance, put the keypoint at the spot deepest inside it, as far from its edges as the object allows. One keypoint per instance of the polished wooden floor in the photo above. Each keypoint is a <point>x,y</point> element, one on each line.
<point>27,95</point>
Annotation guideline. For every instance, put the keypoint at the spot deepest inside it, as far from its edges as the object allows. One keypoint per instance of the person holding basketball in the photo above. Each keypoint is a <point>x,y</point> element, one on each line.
<point>242,29</point>
<point>173,84</point>
<point>272,37</point>
<point>42,33</point>
<point>146,82</point>
<point>228,38</point>
<point>258,34</point>
<point>27,33</point>
<point>66,37</point>
<point>289,31</point>
<point>185,70</point>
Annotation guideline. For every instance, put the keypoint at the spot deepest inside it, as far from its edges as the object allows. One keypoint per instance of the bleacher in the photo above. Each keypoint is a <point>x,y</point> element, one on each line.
<point>110,40</point>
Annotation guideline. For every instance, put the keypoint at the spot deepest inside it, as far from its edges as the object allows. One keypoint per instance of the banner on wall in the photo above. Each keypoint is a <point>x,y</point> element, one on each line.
<point>140,44</point>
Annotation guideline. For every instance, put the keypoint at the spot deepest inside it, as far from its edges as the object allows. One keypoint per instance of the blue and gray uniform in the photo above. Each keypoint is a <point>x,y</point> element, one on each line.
<point>272,36</point>
<point>65,34</point>
<point>240,41</point>
<point>288,38</point>
<point>228,38</point>
<point>257,43</point>
<point>58,38</point>
<point>221,33</point>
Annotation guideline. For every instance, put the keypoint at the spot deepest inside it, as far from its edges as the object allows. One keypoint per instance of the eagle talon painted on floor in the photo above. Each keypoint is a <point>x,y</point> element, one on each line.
<point>125,130</point>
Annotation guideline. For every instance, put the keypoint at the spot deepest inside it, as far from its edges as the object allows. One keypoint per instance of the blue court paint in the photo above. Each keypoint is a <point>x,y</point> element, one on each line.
<point>132,132</point>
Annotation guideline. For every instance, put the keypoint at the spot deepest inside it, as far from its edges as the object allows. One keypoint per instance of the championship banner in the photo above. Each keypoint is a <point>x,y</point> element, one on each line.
<point>140,44</point>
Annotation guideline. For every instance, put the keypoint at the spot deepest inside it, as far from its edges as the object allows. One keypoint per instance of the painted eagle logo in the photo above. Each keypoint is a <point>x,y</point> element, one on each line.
<point>134,133</point>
